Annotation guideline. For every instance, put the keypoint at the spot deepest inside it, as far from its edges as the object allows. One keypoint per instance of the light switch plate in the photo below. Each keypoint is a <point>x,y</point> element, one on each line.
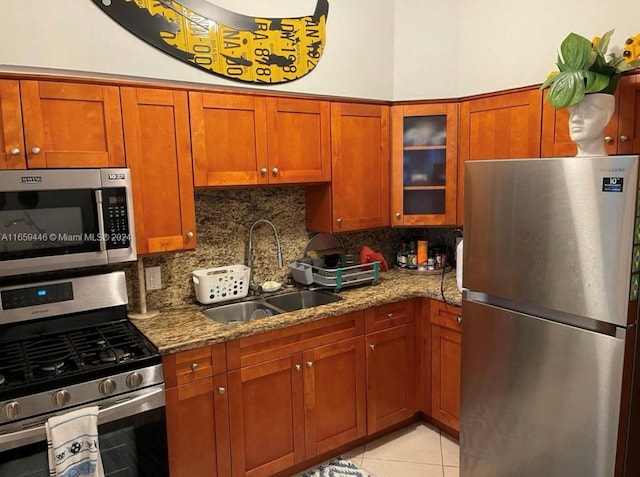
<point>152,278</point>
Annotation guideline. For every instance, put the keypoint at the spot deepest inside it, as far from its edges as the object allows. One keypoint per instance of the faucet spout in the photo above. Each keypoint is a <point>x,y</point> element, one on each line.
<point>251,255</point>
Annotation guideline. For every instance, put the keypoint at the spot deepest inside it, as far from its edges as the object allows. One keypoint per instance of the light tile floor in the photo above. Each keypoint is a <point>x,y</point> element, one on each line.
<point>419,450</point>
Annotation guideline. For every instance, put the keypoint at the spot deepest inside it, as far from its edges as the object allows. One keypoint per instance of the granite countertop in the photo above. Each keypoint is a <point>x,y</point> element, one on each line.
<point>184,328</point>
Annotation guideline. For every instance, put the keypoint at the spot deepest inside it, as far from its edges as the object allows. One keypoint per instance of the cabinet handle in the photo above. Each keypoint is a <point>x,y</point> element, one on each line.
<point>263,171</point>
<point>221,390</point>
<point>298,367</point>
<point>339,220</point>
<point>194,366</point>
<point>608,139</point>
<point>309,364</point>
<point>36,150</point>
<point>398,215</point>
<point>390,316</point>
<point>624,138</point>
<point>459,319</point>
<point>14,151</point>
<point>372,346</point>
<point>275,171</point>
<point>190,235</point>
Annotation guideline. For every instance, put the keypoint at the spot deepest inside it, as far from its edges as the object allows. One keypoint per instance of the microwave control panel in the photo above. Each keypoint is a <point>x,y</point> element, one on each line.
<point>116,217</point>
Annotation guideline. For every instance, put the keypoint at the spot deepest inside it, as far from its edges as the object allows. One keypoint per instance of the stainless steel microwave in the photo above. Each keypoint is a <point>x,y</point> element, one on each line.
<point>53,219</point>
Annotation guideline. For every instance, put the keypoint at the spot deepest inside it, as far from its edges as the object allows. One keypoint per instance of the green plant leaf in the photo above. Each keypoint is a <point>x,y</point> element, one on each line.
<point>576,52</point>
<point>595,82</point>
<point>567,90</point>
<point>603,44</point>
<point>549,81</point>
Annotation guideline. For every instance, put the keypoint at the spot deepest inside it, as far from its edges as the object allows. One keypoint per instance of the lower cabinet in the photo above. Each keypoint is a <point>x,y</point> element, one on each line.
<point>391,365</point>
<point>445,364</point>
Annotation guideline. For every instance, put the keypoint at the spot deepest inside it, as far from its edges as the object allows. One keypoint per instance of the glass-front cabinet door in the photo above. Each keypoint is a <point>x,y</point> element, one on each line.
<point>424,164</point>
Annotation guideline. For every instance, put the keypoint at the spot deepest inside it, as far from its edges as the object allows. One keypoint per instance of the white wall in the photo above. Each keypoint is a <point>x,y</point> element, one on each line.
<point>77,35</point>
<point>377,49</point>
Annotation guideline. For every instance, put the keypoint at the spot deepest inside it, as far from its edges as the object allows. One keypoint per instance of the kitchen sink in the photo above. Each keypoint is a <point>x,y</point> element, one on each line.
<point>300,299</point>
<point>240,312</point>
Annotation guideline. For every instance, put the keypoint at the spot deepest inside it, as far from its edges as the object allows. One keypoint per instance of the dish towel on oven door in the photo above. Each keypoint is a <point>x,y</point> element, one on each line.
<point>72,441</point>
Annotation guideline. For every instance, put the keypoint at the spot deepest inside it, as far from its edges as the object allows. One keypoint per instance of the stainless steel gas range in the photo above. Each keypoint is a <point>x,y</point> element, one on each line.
<point>66,344</point>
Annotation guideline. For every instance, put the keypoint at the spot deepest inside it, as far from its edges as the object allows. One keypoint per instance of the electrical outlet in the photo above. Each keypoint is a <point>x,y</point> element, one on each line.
<point>152,278</point>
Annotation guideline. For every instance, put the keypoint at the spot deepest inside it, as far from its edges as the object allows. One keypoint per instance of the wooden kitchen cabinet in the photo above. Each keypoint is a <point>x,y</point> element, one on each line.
<point>295,393</point>
<point>54,124</point>
<point>197,413</point>
<point>424,142</point>
<point>250,140</point>
<point>445,363</point>
<point>156,126</point>
<point>622,135</point>
<point>499,126</point>
<point>358,196</point>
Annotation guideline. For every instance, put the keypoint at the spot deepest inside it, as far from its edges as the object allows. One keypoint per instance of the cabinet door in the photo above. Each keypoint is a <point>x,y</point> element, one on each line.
<point>191,429</point>
<point>424,164</point>
<point>445,375</point>
<point>267,417</point>
<point>391,392</point>
<point>72,124</point>
<point>298,137</point>
<point>156,124</point>
<point>502,126</point>
<point>628,133</point>
<point>334,395</point>
<point>11,134</point>
<point>358,196</point>
<point>229,139</point>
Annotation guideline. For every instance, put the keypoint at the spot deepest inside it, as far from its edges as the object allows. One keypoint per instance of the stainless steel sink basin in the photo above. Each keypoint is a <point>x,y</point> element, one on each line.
<point>300,299</point>
<point>240,312</point>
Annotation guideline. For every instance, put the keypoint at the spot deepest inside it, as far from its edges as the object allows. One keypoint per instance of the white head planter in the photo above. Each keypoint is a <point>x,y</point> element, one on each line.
<point>587,122</point>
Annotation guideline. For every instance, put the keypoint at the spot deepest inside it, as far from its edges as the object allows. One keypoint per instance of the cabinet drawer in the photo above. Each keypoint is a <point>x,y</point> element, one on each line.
<point>389,315</point>
<point>446,315</point>
<point>189,366</point>
<point>275,344</point>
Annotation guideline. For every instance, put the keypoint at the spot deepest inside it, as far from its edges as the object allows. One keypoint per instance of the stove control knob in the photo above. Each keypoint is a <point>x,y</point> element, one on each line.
<point>107,386</point>
<point>61,398</point>
<point>134,380</point>
<point>11,410</point>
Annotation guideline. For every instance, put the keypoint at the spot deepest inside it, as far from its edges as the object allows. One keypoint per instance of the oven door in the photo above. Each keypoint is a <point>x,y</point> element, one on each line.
<point>132,434</point>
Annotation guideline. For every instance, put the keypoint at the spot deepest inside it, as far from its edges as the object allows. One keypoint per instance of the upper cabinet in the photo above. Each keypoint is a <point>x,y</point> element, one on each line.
<point>501,126</point>
<point>424,164</point>
<point>622,135</point>
<point>358,196</point>
<point>59,124</point>
<point>156,126</point>
<point>250,140</point>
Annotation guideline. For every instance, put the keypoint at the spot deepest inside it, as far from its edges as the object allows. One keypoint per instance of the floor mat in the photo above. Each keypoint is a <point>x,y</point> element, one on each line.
<point>337,467</point>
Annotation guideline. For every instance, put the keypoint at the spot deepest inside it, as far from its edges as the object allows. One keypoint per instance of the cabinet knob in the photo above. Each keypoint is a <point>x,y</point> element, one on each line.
<point>390,316</point>
<point>398,215</point>
<point>309,364</point>
<point>14,151</point>
<point>624,138</point>
<point>339,220</point>
<point>190,235</point>
<point>221,390</point>
<point>194,366</point>
<point>298,367</point>
<point>608,139</point>
<point>263,171</point>
<point>36,150</point>
<point>372,346</point>
<point>459,319</point>
<point>275,171</point>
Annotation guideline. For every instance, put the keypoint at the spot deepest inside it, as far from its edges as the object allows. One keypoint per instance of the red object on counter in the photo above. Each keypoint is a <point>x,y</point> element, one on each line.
<point>368,256</point>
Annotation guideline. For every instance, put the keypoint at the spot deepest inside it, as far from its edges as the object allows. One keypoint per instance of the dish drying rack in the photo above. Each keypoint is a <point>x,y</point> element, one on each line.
<point>336,278</point>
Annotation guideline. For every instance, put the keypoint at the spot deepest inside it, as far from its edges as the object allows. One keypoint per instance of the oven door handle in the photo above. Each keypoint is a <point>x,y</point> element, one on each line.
<point>151,399</point>
<point>103,242</point>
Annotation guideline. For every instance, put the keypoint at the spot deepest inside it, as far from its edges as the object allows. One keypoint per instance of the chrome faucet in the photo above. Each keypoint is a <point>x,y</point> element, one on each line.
<point>252,286</point>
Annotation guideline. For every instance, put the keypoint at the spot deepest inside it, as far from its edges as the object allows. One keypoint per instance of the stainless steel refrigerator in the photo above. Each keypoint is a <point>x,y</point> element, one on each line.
<point>550,310</point>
